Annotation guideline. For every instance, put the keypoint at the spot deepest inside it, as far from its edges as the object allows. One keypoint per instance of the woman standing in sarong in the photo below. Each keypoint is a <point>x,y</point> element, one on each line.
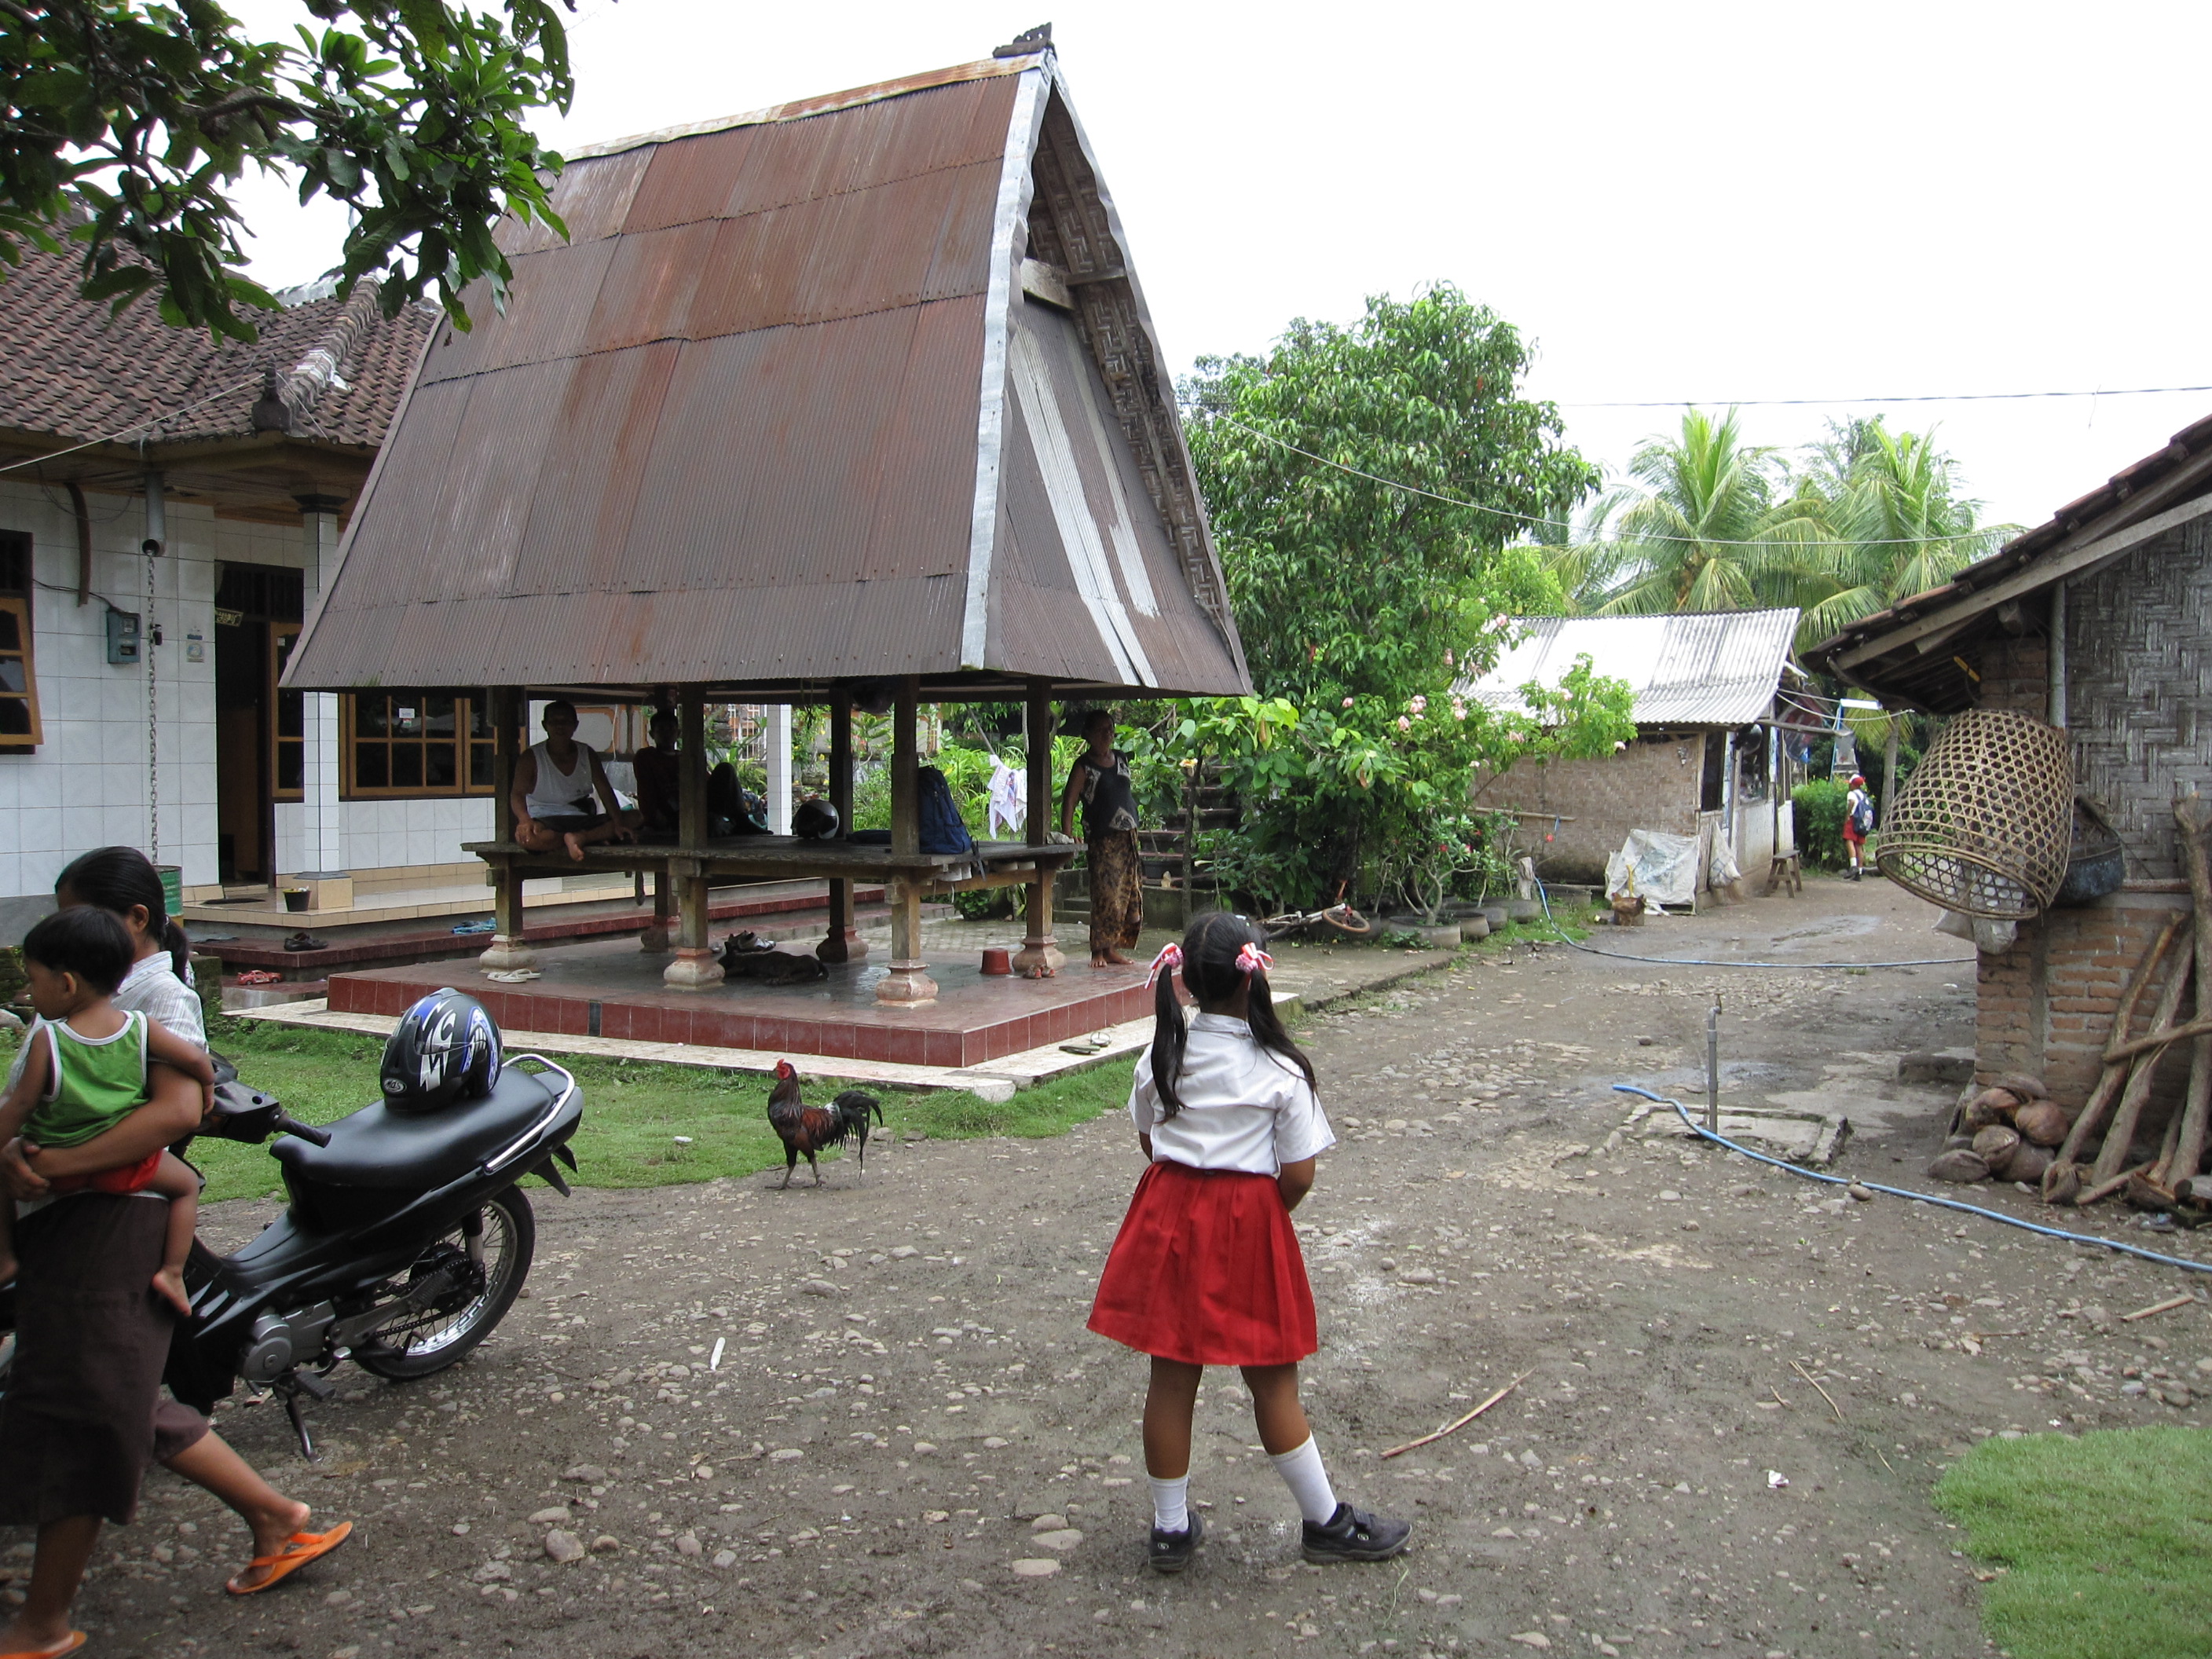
<point>84,1412</point>
<point>1100,779</point>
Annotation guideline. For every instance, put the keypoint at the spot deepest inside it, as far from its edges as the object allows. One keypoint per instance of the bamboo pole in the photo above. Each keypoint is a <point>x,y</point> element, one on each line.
<point>2144,1072</point>
<point>2060,1181</point>
<point>2185,1156</point>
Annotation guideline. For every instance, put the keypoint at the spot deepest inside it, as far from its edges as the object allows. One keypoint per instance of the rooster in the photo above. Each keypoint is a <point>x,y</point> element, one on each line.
<point>811,1129</point>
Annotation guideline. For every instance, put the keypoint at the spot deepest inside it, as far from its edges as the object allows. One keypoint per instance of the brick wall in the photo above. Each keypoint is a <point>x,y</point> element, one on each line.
<point>1653,784</point>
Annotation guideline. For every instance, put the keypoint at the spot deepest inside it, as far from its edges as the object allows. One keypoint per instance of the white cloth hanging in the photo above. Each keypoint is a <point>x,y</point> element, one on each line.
<point>1008,798</point>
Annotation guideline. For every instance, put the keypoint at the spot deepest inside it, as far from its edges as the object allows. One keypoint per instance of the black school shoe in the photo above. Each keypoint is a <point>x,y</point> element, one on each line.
<point>1171,1551</point>
<point>1353,1534</point>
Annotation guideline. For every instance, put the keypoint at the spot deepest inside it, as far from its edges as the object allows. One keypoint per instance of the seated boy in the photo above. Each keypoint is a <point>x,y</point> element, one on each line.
<point>84,1072</point>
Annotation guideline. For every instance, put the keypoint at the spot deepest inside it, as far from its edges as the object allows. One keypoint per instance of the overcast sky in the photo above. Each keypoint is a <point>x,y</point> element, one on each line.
<point>1704,203</point>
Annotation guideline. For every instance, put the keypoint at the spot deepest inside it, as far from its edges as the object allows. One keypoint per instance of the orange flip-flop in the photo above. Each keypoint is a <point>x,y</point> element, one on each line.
<point>69,1644</point>
<point>299,1549</point>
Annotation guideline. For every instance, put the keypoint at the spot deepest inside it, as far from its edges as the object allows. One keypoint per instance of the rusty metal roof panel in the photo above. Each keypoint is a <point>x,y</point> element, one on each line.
<point>769,429</point>
<point>593,202</point>
<point>1695,668</point>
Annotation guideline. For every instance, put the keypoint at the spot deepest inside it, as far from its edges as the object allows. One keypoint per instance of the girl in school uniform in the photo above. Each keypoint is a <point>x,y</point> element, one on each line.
<point>1206,1269</point>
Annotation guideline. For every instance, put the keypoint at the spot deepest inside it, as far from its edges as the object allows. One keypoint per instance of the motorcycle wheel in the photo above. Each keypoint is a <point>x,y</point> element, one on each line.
<point>427,1340</point>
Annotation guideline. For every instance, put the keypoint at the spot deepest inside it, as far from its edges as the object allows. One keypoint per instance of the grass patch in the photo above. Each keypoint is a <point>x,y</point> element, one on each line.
<point>632,1110</point>
<point>2106,1541</point>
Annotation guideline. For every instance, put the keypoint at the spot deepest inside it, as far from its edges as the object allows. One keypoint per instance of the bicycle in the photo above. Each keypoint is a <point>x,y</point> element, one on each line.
<point>1339,920</point>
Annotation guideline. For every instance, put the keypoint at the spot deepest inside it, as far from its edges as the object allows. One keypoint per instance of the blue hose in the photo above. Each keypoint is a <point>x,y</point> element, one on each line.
<point>1693,962</point>
<point>1917,1198</point>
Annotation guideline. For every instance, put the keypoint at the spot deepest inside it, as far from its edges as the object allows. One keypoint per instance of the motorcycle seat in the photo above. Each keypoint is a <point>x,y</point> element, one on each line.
<point>378,1147</point>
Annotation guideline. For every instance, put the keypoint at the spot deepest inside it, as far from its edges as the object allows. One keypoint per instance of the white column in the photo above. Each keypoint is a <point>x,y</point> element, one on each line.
<point>324,847</point>
<point>778,743</point>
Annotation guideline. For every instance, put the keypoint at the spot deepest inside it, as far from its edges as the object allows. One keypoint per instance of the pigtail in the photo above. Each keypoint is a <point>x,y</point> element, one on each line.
<point>1170,1035</point>
<point>1269,1032</point>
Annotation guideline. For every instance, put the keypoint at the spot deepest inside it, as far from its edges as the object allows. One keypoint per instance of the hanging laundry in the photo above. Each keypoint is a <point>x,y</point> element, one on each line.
<point>1008,799</point>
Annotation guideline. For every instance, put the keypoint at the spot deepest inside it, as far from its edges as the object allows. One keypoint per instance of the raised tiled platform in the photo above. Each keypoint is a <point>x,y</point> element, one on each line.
<point>612,989</point>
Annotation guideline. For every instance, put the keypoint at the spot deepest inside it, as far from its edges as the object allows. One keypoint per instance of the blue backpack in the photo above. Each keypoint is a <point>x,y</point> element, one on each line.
<point>941,828</point>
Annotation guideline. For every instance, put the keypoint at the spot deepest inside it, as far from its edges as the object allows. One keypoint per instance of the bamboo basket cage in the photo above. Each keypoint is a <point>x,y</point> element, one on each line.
<point>1984,826</point>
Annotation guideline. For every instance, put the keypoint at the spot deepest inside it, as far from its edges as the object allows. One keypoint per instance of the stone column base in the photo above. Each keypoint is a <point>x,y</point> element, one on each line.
<point>844,945</point>
<point>1039,958</point>
<point>907,984</point>
<point>696,968</point>
<point>504,952</point>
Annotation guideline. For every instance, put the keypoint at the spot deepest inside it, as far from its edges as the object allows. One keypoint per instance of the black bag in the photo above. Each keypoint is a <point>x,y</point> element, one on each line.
<point>942,829</point>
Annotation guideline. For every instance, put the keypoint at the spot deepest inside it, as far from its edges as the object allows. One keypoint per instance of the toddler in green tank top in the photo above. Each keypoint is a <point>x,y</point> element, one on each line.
<point>85,1071</point>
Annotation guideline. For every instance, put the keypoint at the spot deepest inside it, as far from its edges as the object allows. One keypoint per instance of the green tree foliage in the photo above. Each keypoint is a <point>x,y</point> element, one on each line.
<point>125,124</point>
<point>1371,488</point>
<point>1346,586</point>
<point>1711,526</point>
<point>1897,525</point>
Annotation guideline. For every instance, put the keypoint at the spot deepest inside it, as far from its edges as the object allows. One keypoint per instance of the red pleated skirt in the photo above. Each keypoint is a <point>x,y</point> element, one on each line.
<point>1206,1270</point>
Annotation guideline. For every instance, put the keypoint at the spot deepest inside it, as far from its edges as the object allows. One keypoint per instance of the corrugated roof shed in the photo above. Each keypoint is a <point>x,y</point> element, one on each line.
<point>1697,668</point>
<point>856,387</point>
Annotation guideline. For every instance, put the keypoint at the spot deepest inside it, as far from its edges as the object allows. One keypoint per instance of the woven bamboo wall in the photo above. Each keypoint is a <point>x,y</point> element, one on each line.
<point>2139,649</point>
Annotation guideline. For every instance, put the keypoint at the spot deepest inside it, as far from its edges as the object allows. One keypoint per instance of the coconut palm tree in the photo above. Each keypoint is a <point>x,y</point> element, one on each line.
<point>1713,525</point>
<point>1897,525</point>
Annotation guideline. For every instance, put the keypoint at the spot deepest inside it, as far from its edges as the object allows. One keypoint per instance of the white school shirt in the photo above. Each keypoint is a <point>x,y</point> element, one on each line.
<point>1244,1106</point>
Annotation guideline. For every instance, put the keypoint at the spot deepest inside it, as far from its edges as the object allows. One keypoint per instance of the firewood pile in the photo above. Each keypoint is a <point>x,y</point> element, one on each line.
<point>2014,1131</point>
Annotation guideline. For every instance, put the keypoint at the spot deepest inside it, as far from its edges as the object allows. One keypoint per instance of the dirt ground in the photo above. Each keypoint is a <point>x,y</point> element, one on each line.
<point>905,1388</point>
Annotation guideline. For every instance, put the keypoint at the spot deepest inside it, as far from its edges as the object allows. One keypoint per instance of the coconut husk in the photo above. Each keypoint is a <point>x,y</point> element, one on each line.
<point>1962,1167</point>
<point>2026,1084</point>
<point>1995,1145</point>
<point>2042,1122</point>
<point>1990,1106</point>
<point>2027,1162</point>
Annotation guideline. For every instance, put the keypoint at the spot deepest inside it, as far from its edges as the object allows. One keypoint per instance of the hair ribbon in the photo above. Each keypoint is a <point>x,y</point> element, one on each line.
<point>1251,959</point>
<point>1170,959</point>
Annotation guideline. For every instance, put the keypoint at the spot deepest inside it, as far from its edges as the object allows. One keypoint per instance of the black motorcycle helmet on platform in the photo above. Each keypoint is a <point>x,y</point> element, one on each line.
<point>815,820</point>
<point>444,1050</point>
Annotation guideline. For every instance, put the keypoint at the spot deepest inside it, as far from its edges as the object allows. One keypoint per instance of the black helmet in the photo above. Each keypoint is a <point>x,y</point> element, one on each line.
<point>815,820</point>
<point>444,1051</point>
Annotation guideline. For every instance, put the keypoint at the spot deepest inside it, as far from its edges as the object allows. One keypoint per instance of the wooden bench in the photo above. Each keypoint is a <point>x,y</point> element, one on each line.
<point>684,874</point>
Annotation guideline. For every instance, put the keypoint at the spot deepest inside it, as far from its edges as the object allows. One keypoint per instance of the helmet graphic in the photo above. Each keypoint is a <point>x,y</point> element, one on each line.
<point>444,1050</point>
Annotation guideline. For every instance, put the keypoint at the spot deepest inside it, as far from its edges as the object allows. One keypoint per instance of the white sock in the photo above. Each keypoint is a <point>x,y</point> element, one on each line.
<point>1171,1504</point>
<point>1302,1473</point>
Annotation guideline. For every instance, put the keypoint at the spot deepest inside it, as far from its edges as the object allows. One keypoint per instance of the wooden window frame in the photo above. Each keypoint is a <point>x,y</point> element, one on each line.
<point>465,741</point>
<point>16,599</point>
<point>278,741</point>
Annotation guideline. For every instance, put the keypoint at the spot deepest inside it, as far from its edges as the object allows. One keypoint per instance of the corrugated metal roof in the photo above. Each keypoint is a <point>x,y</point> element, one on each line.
<point>1695,668</point>
<point>782,411</point>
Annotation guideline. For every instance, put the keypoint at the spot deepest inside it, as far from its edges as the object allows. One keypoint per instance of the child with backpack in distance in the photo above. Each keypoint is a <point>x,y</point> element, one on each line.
<point>1206,1269</point>
<point>1858,824</point>
<point>85,1071</point>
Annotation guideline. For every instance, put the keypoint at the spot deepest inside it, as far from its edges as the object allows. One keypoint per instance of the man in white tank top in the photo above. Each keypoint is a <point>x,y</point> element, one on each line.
<point>555,782</point>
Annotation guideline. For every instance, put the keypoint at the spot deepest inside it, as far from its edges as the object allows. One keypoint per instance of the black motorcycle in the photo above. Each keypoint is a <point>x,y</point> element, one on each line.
<point>405,1242</point>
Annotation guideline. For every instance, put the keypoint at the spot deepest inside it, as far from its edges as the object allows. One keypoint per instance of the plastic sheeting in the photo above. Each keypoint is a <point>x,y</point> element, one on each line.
<point>1661,867</point>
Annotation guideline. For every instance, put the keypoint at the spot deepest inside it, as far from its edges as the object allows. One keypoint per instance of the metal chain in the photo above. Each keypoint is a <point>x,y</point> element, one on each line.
<point>153,724</point>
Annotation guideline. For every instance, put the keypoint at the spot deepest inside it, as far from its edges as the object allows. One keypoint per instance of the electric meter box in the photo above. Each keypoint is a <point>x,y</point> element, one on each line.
<point>123,636</point>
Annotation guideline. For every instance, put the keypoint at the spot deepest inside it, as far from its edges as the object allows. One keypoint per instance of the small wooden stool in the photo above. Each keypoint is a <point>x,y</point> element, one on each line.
<point>1784,873</point>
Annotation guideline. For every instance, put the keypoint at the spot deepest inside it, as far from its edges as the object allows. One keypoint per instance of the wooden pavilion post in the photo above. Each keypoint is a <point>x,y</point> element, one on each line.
<point>1039,956</point>
<point>508,948</point>
<point>909,980</point>
<point>843,942</point>
<point>694,967</point>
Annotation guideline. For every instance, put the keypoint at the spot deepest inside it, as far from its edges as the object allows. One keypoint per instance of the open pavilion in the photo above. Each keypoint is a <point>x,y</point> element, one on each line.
<point>852,398</point>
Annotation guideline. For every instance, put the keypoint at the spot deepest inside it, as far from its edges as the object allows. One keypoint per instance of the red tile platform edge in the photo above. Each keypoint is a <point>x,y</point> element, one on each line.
<point>571,1016</point>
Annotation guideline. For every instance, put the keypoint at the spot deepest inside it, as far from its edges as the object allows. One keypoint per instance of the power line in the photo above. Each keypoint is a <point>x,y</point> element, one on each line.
<point>1910,398</point>
<point>136,426</point>
<point>1558,524</point>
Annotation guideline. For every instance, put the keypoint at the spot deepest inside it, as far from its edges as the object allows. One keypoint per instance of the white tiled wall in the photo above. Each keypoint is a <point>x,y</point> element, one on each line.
<point>88,783</point>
